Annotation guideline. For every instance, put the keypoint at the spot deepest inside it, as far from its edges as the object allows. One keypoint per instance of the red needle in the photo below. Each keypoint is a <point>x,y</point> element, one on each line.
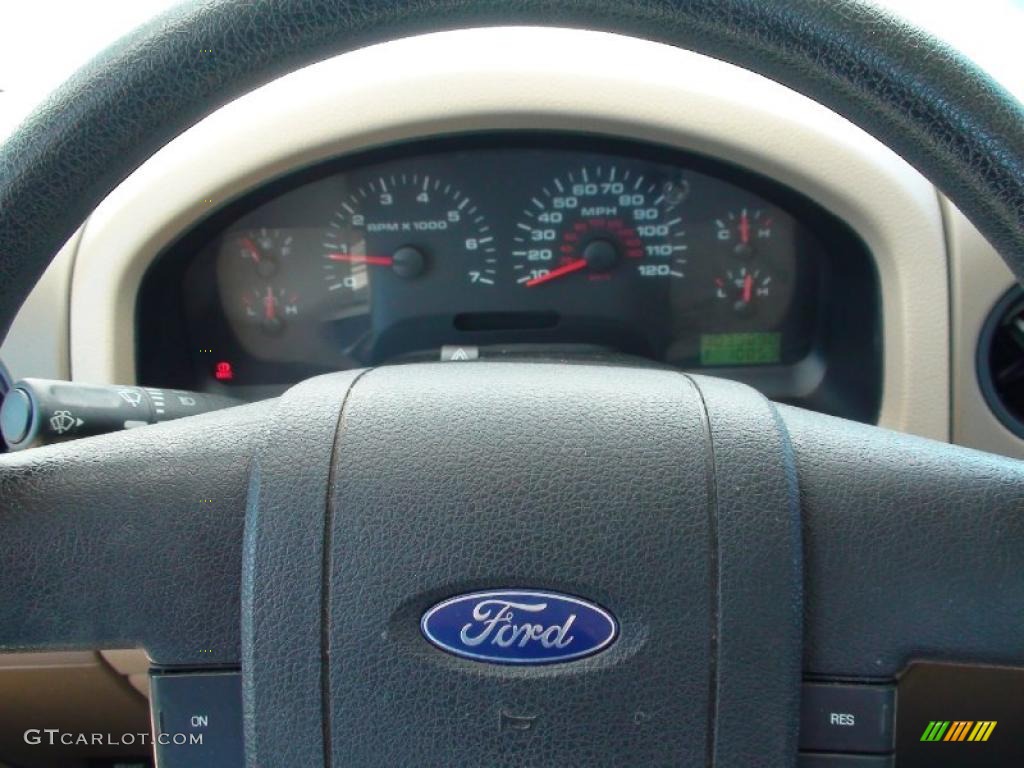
<point>268,304</point>
<point>748,288</point>
<point>250,246</point>
<point>744,228</point>
<point>355,258</point>
<point>566,269</point>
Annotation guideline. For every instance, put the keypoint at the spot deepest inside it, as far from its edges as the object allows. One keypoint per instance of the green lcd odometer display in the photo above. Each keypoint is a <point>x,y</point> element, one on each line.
<point>740,348</point>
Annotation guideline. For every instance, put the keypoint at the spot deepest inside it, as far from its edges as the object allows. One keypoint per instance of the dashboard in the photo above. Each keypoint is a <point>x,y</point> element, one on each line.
<point>158,287</point>
<point>518,244</point>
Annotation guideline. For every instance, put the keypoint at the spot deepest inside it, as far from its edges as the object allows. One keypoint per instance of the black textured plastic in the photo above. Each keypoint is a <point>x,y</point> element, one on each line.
<point>131,539</point>
<point>452,478</point>
<point>913,549</point>
<point>282,605</point>
<point>759,595</point>
<point>455,478</point>
<point>914,93</point>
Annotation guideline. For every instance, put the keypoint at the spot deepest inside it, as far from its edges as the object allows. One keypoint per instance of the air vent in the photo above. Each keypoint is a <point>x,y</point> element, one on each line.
<point>1001,361</point>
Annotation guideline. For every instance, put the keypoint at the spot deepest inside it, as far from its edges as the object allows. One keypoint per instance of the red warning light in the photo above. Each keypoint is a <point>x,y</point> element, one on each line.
<point>223,371</point>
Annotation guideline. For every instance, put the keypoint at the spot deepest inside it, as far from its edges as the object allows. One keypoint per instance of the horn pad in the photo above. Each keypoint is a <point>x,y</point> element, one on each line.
<point>533,485</point>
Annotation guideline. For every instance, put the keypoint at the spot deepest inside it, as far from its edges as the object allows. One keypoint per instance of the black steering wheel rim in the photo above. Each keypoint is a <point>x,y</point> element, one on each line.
<point>930,104</point>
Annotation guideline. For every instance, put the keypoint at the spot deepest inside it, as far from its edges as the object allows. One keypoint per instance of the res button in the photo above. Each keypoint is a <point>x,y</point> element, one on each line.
<point>847,718</point>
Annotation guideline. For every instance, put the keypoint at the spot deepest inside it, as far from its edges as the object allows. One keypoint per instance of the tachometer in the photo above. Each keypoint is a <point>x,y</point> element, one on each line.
<point>398,227</point>
<point>598,222</point>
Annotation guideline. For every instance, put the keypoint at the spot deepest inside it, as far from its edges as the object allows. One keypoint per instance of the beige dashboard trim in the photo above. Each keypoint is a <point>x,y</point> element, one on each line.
<point>37,343</point>
<point>510,78</point>
<point>979,279</point>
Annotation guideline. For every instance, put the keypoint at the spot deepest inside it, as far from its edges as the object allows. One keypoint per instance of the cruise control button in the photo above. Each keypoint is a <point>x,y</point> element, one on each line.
<point>847,718</point>
<point>198,720</point>
<point>845,761</point>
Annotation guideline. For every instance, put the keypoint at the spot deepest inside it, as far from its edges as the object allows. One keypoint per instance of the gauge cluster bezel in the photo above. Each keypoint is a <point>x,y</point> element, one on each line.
<point>841,373</point>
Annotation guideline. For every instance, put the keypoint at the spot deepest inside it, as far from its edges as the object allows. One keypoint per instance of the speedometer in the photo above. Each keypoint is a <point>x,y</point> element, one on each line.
<point>599,222</point>
<point>399,227</point>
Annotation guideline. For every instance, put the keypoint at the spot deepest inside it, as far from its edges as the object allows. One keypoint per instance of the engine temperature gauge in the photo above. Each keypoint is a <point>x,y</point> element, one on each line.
<point>744,231</point>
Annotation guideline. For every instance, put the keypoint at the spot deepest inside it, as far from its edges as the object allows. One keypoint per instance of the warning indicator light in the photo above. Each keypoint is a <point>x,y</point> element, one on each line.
<point>223,371</point>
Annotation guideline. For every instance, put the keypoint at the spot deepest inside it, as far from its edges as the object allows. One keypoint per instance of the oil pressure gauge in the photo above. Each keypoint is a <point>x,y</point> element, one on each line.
<point>744,289</point>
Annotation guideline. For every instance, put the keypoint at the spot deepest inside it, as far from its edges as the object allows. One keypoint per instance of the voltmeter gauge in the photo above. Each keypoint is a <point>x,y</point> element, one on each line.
<point>270,307</point>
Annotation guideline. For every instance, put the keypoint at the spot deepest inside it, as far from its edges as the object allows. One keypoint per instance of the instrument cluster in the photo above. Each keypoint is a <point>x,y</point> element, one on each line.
<point>514,245</point>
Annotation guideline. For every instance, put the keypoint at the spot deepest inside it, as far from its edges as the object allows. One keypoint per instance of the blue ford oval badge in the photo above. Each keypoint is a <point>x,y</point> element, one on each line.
<point>517,626</point>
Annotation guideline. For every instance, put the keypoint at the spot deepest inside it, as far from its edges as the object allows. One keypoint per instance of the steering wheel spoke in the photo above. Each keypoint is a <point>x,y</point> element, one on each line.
<point>129,540</point>
<point>914,549</point>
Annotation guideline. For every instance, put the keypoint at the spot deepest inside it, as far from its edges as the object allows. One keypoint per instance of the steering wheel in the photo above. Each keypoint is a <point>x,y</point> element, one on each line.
<point>736,545</point>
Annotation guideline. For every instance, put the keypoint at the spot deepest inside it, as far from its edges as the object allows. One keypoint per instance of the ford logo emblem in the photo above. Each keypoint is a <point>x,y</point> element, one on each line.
<point>519,627</point>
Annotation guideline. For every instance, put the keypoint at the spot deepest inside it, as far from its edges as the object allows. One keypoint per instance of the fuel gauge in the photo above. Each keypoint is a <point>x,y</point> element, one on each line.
<point>264,249</point>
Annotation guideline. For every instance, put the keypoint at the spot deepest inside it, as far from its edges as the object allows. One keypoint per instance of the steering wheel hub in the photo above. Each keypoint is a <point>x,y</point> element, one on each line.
<point>552,501</point>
